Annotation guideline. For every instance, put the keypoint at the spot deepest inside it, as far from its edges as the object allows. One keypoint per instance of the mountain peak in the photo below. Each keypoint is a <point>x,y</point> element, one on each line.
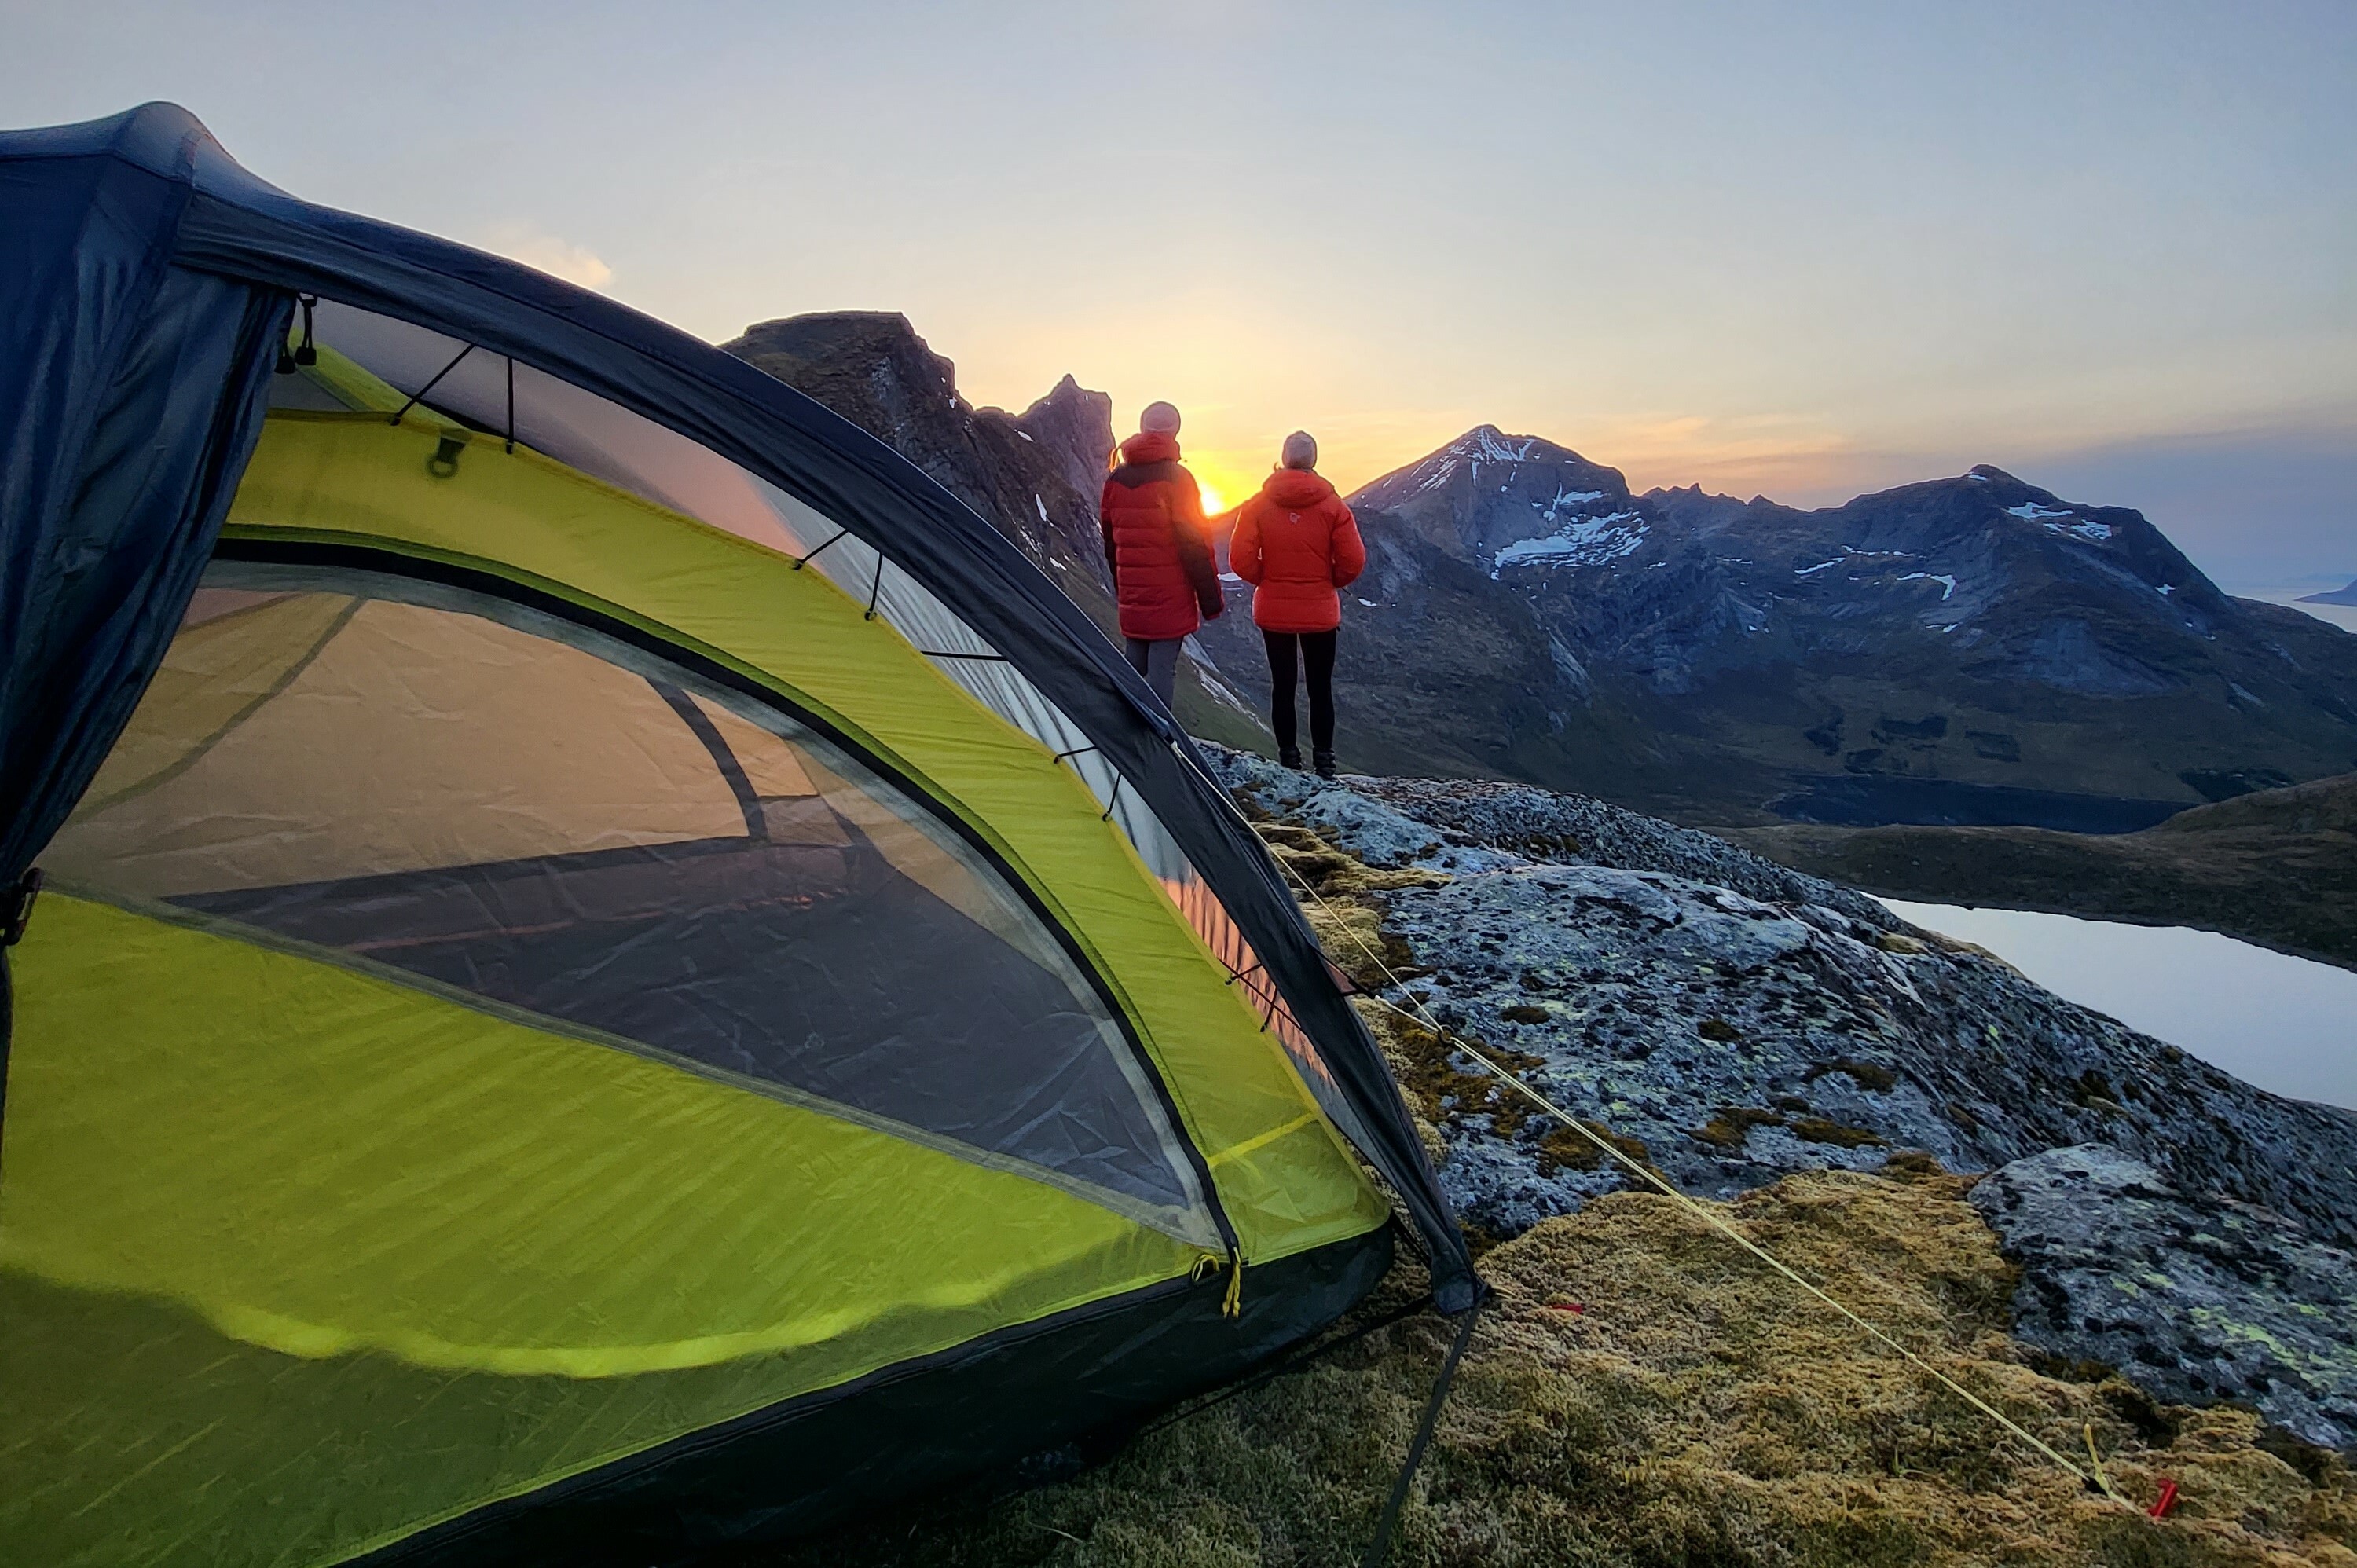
<point>1488,491</point>
<point>1479,456</point>
<point>869,366</point>
<point>1487,444</point>
<point>834,335</point>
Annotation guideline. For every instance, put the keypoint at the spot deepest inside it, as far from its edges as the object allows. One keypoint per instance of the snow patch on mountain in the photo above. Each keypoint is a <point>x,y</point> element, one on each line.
<point>2063,522</point>
<point>1947,583</point>
<point>1584,541</point>
<point>1564,499</point>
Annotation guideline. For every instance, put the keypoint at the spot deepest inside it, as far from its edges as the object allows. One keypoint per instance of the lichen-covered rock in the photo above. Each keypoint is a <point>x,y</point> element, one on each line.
<point>2199,1300</point>
<point>1733,1022</point>
<point>1548,826</point>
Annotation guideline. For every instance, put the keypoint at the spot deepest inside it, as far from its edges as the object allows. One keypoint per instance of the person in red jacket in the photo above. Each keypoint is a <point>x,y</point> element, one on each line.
<point>1296,543</point>
<point>1159,548</point>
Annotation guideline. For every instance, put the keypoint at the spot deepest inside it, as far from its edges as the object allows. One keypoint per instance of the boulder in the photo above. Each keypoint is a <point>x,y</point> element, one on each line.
<point>2198,1298</point>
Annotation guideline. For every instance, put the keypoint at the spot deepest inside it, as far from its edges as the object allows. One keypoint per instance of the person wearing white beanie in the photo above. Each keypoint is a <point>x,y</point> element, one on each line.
<point>1298,545</point>
<point>1157,546</point>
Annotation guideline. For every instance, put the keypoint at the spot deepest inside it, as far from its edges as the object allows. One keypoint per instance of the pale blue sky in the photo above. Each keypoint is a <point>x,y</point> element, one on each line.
<point>1795,250</point>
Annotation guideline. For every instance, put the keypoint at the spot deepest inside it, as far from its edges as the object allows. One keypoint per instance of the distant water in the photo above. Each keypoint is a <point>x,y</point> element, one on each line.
<point>2284,1024</point>
<point>2343,615</point>
<point>1864,800</point>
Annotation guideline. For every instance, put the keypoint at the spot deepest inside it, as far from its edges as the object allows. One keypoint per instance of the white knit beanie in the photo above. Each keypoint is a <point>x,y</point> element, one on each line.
<point>1159,419</point>
<point>1300,450</point>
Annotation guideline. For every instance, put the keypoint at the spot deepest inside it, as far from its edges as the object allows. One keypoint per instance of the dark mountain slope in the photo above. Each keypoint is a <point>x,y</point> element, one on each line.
<point>1961,649</point>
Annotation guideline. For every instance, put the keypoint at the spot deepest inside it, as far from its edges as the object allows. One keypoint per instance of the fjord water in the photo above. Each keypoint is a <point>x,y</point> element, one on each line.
<point>2288,1025</point>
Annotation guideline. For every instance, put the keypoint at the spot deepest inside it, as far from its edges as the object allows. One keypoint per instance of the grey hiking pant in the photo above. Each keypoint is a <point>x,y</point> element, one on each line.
<point>1158,662</point>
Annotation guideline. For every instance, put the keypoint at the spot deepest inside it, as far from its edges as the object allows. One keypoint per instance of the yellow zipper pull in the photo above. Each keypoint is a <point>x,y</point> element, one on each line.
<point>1234,1305</point>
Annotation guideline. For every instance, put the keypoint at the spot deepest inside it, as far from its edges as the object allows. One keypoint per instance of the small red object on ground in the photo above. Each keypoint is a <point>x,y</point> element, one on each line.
<point>1576,1308</point>
<point>2167,1500</point>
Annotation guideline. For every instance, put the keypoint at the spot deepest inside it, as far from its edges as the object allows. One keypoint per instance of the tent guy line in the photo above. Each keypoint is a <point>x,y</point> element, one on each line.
<point>2094,1480</point>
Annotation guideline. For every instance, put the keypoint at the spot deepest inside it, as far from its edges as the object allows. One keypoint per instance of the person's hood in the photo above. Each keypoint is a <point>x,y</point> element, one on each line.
<point>1150,446</point>
<point>1296,489</point>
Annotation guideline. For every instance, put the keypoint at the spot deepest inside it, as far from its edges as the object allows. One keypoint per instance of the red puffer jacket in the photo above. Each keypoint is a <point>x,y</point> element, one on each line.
<point>1298,542</point>
<point>1156,544</point>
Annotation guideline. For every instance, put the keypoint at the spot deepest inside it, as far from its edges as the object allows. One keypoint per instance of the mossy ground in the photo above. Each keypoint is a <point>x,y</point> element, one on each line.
<point>1641,1391</point>
<point>1696,1410</point>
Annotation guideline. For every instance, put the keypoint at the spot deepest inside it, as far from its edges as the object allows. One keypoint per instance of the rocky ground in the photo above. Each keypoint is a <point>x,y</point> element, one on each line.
<point>1728,1021</point>
<point>2156,1266</point>
<point>1739,1020</point>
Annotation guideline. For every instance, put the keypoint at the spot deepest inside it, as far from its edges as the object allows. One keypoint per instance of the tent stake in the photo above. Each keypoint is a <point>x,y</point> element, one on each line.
<point>1377,1548</point>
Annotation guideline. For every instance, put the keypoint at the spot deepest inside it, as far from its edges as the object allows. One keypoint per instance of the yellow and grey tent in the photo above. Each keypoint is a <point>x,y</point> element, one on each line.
<point>612,970</point>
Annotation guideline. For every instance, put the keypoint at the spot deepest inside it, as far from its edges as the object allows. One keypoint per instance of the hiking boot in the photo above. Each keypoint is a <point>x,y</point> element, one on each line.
<point>1290,757</point>
<point>1324,762</point>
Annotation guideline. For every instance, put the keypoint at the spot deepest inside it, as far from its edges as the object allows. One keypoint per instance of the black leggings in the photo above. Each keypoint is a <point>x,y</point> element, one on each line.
<point>1313,651</point>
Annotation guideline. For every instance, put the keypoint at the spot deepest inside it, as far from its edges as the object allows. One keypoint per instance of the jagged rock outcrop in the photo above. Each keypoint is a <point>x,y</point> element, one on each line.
<point>2198,1298</point>
<point>1034,476</point>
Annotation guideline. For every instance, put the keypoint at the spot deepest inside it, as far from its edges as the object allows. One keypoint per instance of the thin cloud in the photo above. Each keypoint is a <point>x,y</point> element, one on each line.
<point>558,258</point>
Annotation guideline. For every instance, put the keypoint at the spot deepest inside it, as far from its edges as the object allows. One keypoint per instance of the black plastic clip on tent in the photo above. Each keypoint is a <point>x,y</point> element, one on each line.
<point>552,1030</point>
